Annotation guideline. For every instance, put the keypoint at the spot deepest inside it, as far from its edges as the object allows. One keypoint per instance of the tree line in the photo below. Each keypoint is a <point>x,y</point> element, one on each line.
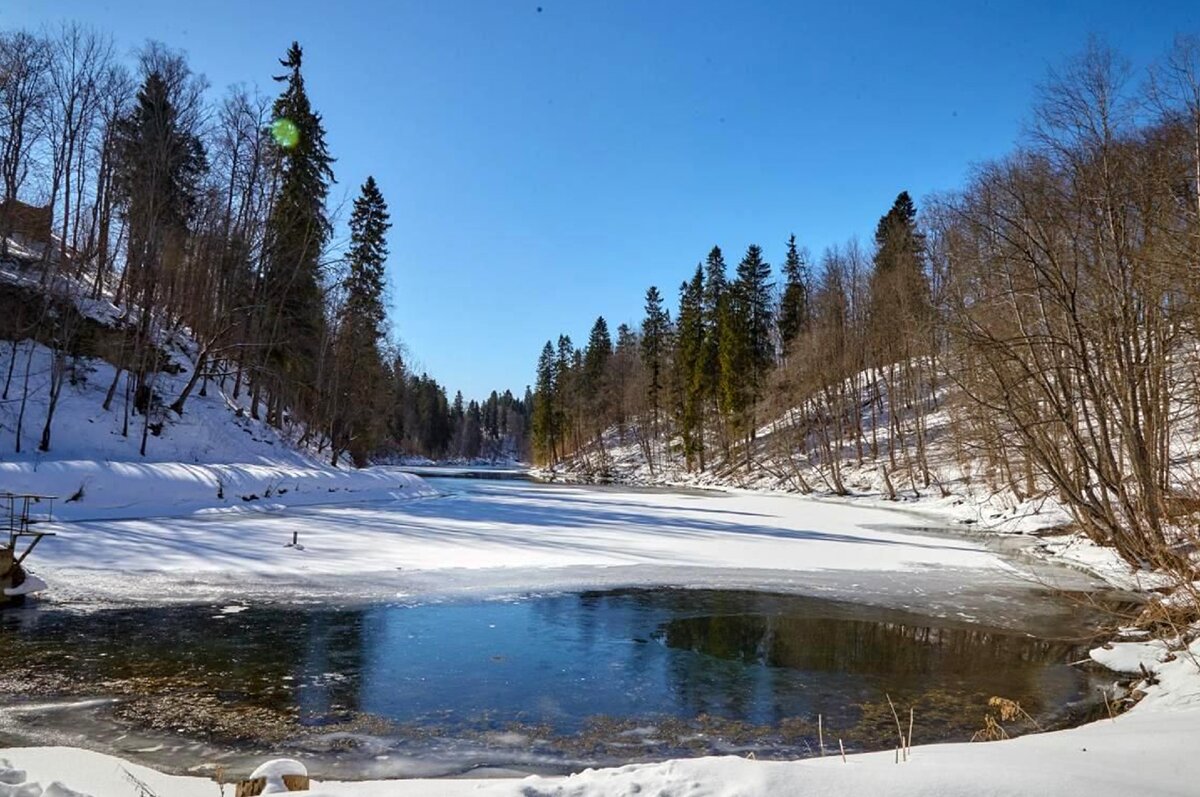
<point>1046,315</point>
<point>214,220</point>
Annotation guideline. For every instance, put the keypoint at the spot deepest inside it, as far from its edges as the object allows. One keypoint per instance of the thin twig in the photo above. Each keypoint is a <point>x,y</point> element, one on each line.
<point>910,727</point>
<point>895,716</point>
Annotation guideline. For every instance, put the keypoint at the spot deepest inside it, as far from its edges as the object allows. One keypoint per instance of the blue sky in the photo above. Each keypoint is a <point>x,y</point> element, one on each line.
<point>546,166</point>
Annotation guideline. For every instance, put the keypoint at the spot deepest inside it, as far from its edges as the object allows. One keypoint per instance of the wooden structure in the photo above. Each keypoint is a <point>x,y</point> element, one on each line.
<point>30,223</point>
<point>20,530</point>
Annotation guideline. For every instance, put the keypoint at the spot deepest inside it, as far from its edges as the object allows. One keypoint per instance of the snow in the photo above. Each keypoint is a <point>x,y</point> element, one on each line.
<point>512,535</point>
<point>114,490</point>
<point>274,771</point>
<point>1132,657</point>
<point>30,586</point>
<point>209,430</point>
<point>957,497</point>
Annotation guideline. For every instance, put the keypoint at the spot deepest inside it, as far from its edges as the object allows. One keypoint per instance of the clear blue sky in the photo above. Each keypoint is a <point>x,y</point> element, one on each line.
<point>544,167</point>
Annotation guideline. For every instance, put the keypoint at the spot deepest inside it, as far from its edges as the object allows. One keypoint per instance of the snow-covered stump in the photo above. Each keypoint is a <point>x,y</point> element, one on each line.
<point>274,777</point>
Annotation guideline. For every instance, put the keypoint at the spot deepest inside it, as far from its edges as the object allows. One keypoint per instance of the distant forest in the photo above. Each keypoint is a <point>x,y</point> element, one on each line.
<point>213,219</point>
<point>1050,306</point>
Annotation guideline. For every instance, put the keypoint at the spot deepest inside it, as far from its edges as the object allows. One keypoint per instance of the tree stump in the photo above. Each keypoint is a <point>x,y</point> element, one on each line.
<point>255,786</point>
<point>287,773</point>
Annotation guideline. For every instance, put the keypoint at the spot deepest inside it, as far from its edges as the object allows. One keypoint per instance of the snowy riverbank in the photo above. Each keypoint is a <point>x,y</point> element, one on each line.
<point>94,490</point>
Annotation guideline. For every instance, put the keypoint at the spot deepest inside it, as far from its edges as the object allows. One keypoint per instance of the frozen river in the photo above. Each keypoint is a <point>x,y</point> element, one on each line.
<point>507,625</point>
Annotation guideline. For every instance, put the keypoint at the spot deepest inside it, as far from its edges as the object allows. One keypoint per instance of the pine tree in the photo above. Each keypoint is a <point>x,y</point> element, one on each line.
<point>565,391</point>
<point>360,329</point>
<point>716,287</point>
<point>297,231</point>
<point>655,332</point>
<point>746,352</point>
<point>733,356</point>
<point>544,403</point>
<point>754,289</point>
<point>622,368</point>
<point>794,305</point>
<point>900,303</point>
<point>689,368</point>
<point>595,375</point>
<point>365,283</point>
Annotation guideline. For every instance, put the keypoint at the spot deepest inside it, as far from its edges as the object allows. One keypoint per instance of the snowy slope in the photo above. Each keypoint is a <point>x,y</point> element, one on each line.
<point>211,428</point>
<point>211,456</point>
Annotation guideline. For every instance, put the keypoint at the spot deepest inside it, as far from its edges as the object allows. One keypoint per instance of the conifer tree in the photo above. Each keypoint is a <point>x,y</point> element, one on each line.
<point>361,326</point>
<point>622,369</point>
<point>297,231</point>
<point>565,390</point>
<point>900,304</point>
<point>544,407</point>
<point>745,351</point>
<point>715,289</point>
<point>655,332</point>
<point>689,368</point>
<point>733,356</point>
<point>794,304</point>
<point>595,376</point>
<point>754,289</point>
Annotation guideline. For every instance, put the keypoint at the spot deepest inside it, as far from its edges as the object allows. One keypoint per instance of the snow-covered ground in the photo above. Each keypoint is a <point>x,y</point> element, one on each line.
<point>493,537</point>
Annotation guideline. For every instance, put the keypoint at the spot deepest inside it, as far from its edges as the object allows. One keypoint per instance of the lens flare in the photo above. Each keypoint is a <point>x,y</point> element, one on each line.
<point>285,133</point>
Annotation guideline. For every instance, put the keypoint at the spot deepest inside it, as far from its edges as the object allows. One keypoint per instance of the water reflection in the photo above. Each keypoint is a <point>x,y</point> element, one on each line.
<point>576,677</point>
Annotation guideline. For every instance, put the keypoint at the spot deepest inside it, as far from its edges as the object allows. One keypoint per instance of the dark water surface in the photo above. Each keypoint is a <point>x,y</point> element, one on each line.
<point>544,683</point>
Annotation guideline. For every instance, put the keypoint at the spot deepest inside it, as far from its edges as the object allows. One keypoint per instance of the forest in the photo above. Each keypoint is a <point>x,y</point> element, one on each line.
<point>209,222</point>
<point>1048,307</point>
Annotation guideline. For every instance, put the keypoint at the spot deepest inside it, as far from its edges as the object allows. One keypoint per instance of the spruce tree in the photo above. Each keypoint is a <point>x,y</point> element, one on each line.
<point>595,375</point>
<point>794,304</point>
<point>655,332</point>
<point>754,289</point>
<point>544,403</point>
<point>733,355</point>
<point>689,371</point>
<point>746,352</point>
<point>565,390</point>
<point>361,328</point>
<point>297,232</point>
<point>900,303</point>
<point>715,289</point>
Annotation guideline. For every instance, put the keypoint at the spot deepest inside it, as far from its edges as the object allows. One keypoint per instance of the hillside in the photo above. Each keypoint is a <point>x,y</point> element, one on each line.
<point>210,454</point>
<point>962,488</point>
